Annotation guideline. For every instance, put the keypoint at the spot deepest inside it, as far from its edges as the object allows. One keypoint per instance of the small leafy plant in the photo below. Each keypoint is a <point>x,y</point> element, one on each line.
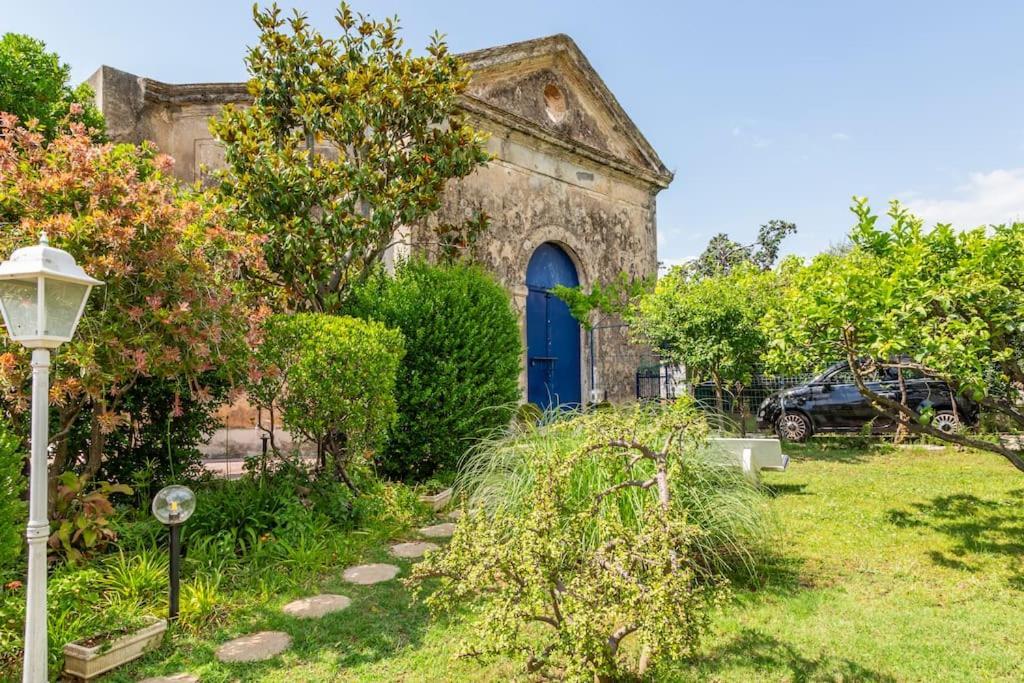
<point>81,515</point>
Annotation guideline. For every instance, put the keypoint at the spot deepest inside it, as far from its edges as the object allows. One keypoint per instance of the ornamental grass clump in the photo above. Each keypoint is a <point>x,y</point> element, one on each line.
<point>581,548</point>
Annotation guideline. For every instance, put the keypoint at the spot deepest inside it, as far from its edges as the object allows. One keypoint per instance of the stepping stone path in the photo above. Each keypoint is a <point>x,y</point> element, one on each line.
<point>316,606</point>
<point>173,678</point>
<point>412,550</point>
<point>444,530</point>
<point>455,515</point>
<point>367,574</point>
<point>254,647</point>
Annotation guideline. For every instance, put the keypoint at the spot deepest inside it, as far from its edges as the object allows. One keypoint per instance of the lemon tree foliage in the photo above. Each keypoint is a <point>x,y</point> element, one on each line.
<point>332,380</point>
<point>712,325</point>
<point>566,580</point>
<point>172,307</point>
<point>943,302</point>
<point>347,139</point>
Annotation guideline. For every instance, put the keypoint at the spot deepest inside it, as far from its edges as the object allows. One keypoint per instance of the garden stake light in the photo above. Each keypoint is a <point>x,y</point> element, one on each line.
<point>173,505</point>
<point>42,296</point>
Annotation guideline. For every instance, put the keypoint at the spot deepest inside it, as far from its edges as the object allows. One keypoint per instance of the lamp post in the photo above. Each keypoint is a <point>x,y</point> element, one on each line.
<point>42,296</point>
<point>172,505</point>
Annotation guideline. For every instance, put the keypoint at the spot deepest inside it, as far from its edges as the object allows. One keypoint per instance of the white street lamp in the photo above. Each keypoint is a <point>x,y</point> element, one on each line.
<point>42,296</point>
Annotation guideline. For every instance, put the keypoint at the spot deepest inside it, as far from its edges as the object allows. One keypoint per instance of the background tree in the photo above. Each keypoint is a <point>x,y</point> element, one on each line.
<point>723,254</point>
<point>347,139</point>
<point>172,307</point>
<point>34,87</point>
<point>712,325</point>
<point>943,302</point>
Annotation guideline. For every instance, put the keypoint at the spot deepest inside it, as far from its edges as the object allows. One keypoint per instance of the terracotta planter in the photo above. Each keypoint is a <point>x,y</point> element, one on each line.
<point>85,663</point>
<point>438,500</point>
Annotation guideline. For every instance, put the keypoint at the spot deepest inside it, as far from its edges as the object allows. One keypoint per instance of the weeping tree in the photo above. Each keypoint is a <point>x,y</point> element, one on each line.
<point>598,586</point>
<point>347,140</point>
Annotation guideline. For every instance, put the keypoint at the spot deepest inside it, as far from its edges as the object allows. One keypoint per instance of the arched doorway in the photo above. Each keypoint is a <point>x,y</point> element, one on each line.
<point>552,334</point>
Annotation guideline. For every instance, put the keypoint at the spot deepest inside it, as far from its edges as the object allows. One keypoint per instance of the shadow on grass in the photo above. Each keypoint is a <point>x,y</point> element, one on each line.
<point>851,450</point>
<point>975,525</point>
<point>776,490</point>
<point>754,649</point>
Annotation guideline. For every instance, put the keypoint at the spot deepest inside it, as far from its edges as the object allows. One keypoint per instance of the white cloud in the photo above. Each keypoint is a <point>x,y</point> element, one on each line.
<point>841,137</point>
<point>986,198</point>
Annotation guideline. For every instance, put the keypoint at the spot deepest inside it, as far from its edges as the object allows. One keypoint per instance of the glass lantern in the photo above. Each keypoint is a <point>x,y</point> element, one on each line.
<point>42,295</point>
<point>174,504</point>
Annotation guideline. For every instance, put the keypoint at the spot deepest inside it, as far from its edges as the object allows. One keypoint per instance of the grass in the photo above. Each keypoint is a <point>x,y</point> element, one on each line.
<point>897,565</point>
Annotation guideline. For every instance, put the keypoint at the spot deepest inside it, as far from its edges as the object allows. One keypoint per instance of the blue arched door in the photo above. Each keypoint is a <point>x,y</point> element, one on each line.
<point>552,334</point>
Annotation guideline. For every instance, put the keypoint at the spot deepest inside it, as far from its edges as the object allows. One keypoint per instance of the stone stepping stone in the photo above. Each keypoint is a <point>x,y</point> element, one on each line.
<point>367,574</point>
<point>444,530</point>
<point>412,550</point>
<point>316,606</point>
<point>172,678</point>
<point>254,647</point>
<point>455,515</point>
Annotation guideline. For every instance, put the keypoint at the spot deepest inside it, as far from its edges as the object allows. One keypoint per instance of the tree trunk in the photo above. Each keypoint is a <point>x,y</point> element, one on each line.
<point>719,394</point>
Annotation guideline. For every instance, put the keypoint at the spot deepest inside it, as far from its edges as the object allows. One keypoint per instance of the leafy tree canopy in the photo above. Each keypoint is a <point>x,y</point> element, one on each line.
<point>34,87</point>
<point>603,300</point>
<point>347,139</point>
<point>943,302</point>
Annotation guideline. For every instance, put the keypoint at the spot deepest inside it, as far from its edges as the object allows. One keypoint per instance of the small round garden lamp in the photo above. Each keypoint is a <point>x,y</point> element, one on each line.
<point>172,505</point>
<point>42,296</point>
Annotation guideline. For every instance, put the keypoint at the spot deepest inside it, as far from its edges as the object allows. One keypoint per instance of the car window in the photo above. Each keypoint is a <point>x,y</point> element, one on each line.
<point>843,375</point>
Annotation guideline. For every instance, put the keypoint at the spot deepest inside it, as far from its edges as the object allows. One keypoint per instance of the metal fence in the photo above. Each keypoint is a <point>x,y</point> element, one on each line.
<point>666,382</point>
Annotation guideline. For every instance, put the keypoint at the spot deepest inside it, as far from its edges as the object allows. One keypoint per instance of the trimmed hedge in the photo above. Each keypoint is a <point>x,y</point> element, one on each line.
<point>460,376</point>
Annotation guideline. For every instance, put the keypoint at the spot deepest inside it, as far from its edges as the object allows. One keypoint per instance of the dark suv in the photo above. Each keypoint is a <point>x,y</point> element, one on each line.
<point>831,403</point>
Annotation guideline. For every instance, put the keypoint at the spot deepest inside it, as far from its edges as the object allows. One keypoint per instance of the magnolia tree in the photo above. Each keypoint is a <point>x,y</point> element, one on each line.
<point>711,325</point>
<point>943,302</point>
<point>586,587</point>
<point>347,140</point>
<point>171,307</point>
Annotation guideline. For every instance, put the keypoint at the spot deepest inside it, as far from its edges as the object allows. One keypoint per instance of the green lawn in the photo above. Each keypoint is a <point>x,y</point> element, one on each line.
<point>897,564</point>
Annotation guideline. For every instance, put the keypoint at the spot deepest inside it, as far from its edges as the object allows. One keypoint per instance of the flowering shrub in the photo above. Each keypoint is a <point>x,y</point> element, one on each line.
<point>171,307</point>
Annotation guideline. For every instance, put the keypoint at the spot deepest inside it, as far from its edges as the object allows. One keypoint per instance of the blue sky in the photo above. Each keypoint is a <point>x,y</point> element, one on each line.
<point>763,109</point>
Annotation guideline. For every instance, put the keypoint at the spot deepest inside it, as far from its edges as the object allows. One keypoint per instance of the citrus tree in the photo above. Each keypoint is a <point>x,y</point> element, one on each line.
<point>171,307</point>
<point>712,325</point>
<point>347,140</point>
<point>942,302</point>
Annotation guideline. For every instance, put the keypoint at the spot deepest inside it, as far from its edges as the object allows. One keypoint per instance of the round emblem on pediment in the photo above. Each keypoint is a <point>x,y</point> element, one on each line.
<point>554,103</point>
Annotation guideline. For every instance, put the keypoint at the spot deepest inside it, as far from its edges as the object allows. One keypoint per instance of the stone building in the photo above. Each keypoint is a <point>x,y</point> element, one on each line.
<point>571,192</point>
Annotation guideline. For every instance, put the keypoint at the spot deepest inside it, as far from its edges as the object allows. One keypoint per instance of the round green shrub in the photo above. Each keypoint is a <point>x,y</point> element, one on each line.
<point>460,376</point>
<point>333,380</point>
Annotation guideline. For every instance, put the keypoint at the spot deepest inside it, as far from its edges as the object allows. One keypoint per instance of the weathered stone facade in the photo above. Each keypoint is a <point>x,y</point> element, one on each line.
<point>569,168</point>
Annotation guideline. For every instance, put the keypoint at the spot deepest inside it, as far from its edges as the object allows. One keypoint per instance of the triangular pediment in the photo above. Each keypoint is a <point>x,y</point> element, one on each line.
<point>549,84</point>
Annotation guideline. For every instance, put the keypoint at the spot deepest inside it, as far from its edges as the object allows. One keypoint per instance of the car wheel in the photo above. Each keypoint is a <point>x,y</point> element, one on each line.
<point>793,427</point>
<point>946,421</point>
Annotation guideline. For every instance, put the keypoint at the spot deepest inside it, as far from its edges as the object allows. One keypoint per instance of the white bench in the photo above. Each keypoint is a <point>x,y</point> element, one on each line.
<point>753,455</point>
